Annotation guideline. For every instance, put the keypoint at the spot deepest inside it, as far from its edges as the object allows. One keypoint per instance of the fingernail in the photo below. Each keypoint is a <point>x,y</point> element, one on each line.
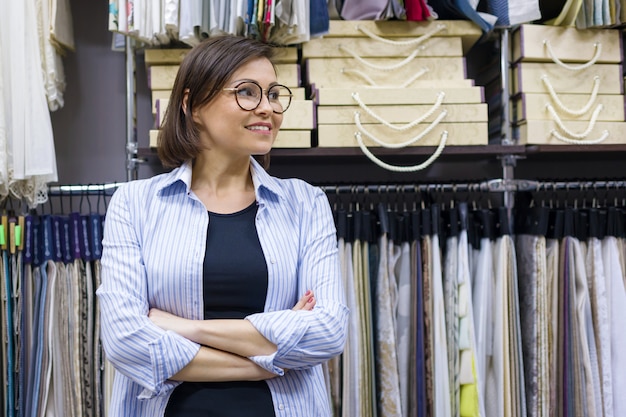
<point>310,300</point>
<point>307,292</point>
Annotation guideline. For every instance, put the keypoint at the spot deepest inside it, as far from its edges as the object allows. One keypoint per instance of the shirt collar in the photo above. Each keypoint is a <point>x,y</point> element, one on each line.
<point>260,178</point>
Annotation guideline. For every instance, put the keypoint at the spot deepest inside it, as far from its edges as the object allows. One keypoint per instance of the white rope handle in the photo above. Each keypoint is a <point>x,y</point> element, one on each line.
<point>562,107</point>
<point>396,168</point>
<point>603,137</point>
<point>373,83</point>
<point>562,64</point>
<point>584,134</point>
<point>357,122</point>
<point>414,123</point>
<point>415,41</point>
<point>393,67</point>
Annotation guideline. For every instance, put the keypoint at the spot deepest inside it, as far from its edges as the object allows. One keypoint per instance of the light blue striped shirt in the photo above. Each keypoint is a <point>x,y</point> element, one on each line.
<point>153,252</point>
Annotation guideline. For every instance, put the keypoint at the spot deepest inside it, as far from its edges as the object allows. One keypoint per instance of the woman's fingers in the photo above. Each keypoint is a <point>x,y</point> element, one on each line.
<point>306,302</point>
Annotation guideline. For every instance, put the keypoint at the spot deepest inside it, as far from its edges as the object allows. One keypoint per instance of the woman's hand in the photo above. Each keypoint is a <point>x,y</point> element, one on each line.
<point>306,302</point>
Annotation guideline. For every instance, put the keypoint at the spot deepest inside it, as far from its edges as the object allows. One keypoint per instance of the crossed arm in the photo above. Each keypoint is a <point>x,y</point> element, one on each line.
<point>226,346</point>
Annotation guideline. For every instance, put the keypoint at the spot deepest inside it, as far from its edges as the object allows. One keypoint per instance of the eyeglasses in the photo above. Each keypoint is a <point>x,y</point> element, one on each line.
<point>249,95</point>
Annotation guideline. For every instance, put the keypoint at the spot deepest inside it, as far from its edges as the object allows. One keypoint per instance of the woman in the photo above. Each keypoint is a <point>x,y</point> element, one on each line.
<point>221,293</point>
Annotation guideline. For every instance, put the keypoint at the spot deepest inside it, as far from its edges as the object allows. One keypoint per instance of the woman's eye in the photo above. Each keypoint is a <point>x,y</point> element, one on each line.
<point>247,92</point>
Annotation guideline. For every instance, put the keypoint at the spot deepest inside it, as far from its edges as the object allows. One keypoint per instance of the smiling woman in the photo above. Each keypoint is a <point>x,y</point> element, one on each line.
<point>236,317</point>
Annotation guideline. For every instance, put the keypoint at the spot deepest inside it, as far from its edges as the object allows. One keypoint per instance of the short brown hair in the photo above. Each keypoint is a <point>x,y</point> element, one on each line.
<point>204,71</point>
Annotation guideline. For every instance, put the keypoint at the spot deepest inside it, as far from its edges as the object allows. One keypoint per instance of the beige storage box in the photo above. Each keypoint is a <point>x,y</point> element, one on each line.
<point>459,134</point>
<point>293,139</point>
<point>549,132</point>
<point>382,72</point>
<point>468,31</point>
<point>365,47</point>
<point>161,77</point>
<point>456,113</point>
<point>531,77</point>
<point>543,43</point>
<point>402,124</point>
<point>172,56</point>
<point>397,96</point>
<point>536,107</point>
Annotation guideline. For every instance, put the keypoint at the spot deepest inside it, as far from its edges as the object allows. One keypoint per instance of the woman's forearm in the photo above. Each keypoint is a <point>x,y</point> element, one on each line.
<point>213,365</point>
<point>236,336</point>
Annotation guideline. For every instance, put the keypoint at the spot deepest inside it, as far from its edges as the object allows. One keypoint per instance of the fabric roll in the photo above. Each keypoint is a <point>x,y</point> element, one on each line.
<point>552,275</point>
<point>531,251</point>
<point>388,384</point>
<point>441,381</point>
<point>591,381</point>
<point>483,300</point>
<point>601,324</point>
<point>616,298</point>
<point>451,310</point>
<point>402,272</point>
<point>429,343</point>
<point>350,404</point>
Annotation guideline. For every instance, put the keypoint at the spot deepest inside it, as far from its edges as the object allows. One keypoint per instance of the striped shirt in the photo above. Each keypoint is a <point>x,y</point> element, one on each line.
<point>153,251</point>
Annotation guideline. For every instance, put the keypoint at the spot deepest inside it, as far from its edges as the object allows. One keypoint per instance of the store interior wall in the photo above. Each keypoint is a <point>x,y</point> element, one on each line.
<point>90,129</point>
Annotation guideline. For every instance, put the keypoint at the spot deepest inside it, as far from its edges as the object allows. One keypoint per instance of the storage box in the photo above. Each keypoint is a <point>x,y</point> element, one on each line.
<point>527,78</point>
<point>468,31</point>
<point>397,96</point>
<point>457,113</point>
<point>161,77</point>
<point>534,107</point>
<point>342,136</point>
<point>174,56</point>
<point>347,72</point>
<point>540,132</point>
<point>293,139</point>
<point>365,47</point>
<point>567,44</point>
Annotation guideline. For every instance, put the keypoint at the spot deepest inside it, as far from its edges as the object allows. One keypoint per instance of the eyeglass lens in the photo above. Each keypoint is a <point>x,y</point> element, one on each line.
<point>249,96</point>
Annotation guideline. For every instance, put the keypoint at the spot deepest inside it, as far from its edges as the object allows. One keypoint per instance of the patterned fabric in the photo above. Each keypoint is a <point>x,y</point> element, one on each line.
<point>429,344</point>
<point>141,270</point>
<point>387,381</point>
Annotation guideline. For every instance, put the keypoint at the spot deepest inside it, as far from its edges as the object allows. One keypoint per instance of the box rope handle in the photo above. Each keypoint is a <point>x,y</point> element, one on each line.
<point>426,115</point>
<point>557,61</point>
<point>577,138</point>
<point>417,138</point>
<point>393,67</point>
<point>565,109</point>
<point>437,28</point>
<point>396,168</point>
<point>373,83</point>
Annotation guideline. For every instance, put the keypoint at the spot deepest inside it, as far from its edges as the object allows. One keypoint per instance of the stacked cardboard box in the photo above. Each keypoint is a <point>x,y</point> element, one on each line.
<point>298,122</point>
<point>395,84</point>
<point>567,86</point>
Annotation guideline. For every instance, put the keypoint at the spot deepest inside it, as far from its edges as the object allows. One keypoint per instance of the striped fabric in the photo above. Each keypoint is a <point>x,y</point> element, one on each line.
<point>153,251</point>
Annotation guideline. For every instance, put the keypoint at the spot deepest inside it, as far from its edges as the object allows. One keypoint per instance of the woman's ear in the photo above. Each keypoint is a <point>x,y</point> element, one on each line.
<point>185,97</point>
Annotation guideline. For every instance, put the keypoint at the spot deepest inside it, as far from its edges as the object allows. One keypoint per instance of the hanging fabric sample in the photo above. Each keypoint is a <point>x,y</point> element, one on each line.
<point>27,156</point>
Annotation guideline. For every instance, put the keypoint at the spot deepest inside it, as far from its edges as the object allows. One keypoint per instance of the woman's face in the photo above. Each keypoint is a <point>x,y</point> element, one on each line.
<point>227,129</point>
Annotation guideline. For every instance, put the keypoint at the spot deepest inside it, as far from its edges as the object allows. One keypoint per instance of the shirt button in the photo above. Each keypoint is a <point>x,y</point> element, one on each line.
<point>281,407</point>
<point>273,261</point>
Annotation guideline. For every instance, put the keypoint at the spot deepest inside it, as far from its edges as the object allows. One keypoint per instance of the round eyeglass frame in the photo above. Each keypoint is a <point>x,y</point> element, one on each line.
<point>235,88</point>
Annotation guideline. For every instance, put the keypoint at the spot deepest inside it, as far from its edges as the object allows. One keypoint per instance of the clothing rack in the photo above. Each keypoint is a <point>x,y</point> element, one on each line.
<point>83,189</point>
<point>495,185</point>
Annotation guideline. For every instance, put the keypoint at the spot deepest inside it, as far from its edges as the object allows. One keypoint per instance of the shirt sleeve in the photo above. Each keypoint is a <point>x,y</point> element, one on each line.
<point>136,347</point>
<point>308,338</point>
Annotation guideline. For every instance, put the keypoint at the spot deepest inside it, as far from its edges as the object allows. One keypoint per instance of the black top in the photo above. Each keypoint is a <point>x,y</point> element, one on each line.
<point>234,286</point>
